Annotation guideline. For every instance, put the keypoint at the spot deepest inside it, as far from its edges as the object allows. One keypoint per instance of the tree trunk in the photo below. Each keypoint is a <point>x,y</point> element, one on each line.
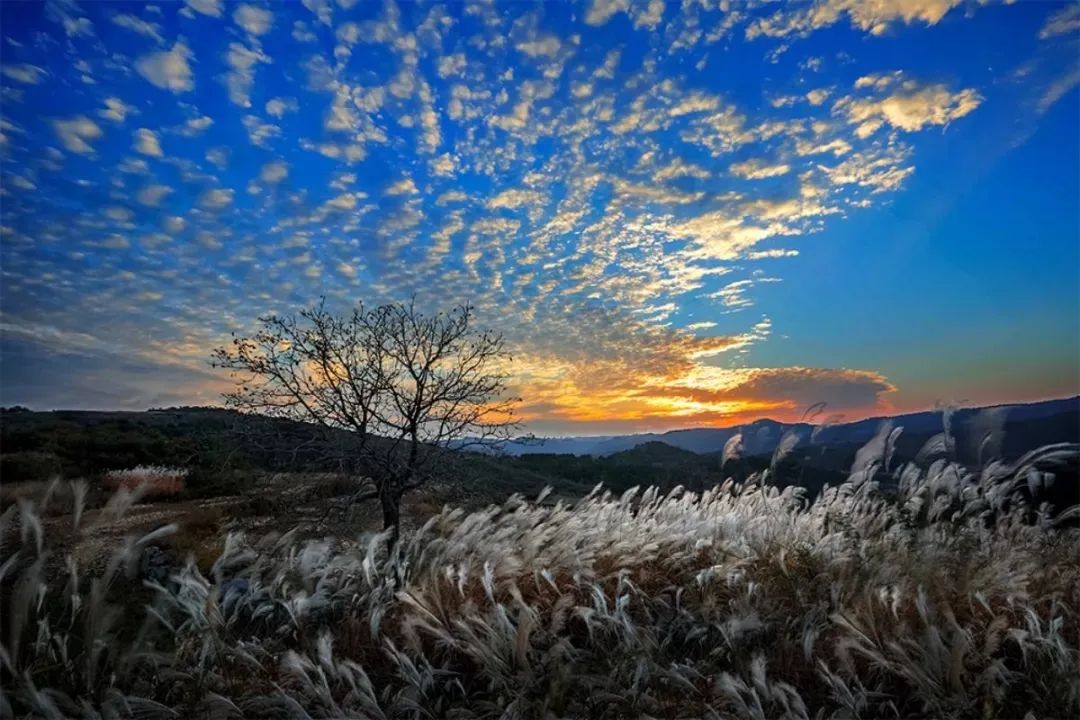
<point>391,514</point>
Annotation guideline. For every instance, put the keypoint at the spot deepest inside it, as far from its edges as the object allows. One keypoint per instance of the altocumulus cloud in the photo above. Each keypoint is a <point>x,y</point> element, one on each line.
<point>587,176</point>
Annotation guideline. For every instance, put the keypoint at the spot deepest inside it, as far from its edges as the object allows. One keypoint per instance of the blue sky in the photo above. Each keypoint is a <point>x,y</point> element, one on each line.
<point>679,214</point>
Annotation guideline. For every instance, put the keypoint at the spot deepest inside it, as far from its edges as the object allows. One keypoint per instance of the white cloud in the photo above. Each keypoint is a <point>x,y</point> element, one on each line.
<point>138,25</point>
<point>278,106</point>
<point>600,11</point>
<point>213,8</point>
<point>321,9</point>
<point>1064,22</point>
<point>754,169</point>
<point>771,254</point>
<point>644,15</point>
<point>216,198</point>
<point>218,157</point>
<point>20,182</point>
<point>547,46</point>
<point>403,187</point>
<point>734,295</point>
<point>274,172</point>
<point>721,235</point>
<point>1057,89</point>
<point>115,109</point>
<point>450,65</point>
<point>443,165</point>
<point>76,133</point>
<point>240,79</point>
<point>350,152</point>
<point>513,199</point>
<point>254,20</point>
<point>344,201</point>
<point>152,195</point>
<point>880,170</point>
<point>301,33</point>
<point>196,125</point>
<point>679,168</point>
<point>118,214</point>
<point>147,143</point>
<point>651,16</point>
<point>429,120</point>
<point>871,16</point>
<point>208,240</point>
<point>878,81</point>
<point>451,196</point>
<point>68,15</point>
<point>24,73</point>
<point>168,69</point>
<point>258,131</point>
<point>909,108</point>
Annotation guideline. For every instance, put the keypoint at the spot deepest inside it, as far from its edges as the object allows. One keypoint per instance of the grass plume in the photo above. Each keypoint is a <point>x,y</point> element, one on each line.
<point>932,589</point>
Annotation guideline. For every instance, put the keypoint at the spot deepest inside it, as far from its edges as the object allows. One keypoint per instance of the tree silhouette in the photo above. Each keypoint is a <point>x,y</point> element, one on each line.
<point>406,388</point>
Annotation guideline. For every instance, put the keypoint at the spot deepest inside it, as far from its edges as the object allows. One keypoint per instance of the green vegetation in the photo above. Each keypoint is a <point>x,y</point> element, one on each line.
<point>38,445</point>
<point>223,451</point>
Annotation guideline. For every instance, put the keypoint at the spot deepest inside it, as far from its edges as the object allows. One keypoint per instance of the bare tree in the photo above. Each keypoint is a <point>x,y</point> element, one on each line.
<point>403,387</point>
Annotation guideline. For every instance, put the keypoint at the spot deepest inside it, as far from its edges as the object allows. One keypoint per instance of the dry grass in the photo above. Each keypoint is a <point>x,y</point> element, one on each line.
<point>53,496</point>
<point>199,537</point>
<point>947,596</point>
<point>154,482</point>
<point>31,490</point>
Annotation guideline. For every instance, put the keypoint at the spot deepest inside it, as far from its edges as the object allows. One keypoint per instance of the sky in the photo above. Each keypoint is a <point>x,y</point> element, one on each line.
<point>680,214</point>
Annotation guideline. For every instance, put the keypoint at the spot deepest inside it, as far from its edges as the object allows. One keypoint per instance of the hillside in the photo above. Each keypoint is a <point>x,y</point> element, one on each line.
<point>227,453</point>
<point>222,450</point>
<point>221,447</point>
<point>1025,427</point>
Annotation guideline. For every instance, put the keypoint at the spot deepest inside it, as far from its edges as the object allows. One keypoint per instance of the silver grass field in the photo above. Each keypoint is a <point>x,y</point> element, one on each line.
<point>930,590</point>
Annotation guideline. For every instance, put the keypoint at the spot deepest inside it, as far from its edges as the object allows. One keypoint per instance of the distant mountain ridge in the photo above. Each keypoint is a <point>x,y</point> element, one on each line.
<point>762,436</point>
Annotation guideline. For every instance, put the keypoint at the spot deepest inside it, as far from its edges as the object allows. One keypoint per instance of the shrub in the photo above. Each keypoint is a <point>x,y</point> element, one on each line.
<point>29,466</point>
<point>206,482</point>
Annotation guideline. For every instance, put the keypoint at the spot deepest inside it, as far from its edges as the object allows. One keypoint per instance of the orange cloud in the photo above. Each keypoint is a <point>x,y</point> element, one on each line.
<point>606,395</point>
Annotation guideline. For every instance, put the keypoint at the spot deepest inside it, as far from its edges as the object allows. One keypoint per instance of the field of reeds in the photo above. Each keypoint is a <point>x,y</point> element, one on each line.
<point>927,590</point>
<point>155,481</point>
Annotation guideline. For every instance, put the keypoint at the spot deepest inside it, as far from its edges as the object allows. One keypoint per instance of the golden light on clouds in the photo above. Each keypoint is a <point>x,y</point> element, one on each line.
<point>690,392</point>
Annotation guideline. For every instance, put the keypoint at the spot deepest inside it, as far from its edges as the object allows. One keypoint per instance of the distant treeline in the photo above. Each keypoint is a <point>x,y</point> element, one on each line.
<point>37,445</point>
<point>221,448</point>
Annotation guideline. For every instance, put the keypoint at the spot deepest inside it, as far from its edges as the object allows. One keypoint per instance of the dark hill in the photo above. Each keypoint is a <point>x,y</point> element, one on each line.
<point>1026,427</point>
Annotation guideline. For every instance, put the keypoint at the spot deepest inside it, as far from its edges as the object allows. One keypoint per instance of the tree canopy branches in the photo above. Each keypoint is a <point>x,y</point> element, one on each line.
<point>408,387</point>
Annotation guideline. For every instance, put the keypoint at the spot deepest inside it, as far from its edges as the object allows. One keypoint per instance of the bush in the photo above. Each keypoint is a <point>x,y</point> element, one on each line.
<point>204,482</point>
<point>29,466</point>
